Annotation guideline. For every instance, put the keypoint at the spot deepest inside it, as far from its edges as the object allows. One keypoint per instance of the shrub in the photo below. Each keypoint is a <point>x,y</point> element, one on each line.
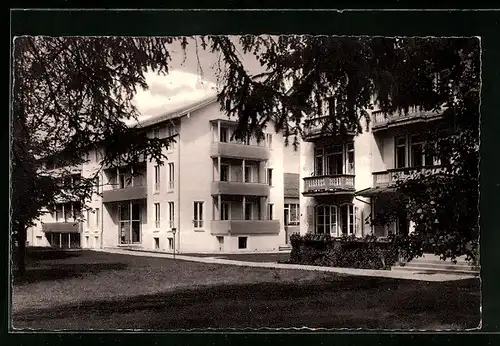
<point>346,252</point>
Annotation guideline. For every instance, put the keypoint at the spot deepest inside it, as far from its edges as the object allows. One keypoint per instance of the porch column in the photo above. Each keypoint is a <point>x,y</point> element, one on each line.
<point>263,208</point>
<point>63,213</point>
<point>219,205</point>
<point>69,240</point>
<point>244,207</point>
<point>218,131</point>
<point>218,168</point>
<point>243,170</point>
<point>60,240</point>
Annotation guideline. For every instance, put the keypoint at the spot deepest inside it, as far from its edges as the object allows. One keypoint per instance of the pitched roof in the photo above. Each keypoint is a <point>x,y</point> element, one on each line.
<point>177,113</point>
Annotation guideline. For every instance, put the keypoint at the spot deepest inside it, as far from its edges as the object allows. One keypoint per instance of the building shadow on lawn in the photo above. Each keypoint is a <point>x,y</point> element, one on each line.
<point>344,302</point>
<point>62,271</point>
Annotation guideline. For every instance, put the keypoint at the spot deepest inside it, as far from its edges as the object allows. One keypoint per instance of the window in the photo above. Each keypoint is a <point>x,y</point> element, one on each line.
<point>224,134</point>
<point>248,210</point>
<point>156,132</point>
<point>97,155</point>
<point>171,214</point>
<point>334,162</point>
<point>318,162</point>
<point>157,178</point>
<point>96,241</point>
<point>242,242</point>
<point>97,184</point>
<point>121,179</point>
<point>198,214</point>
<point>97,217</point>
<point>326,219</point>
<point>157,215</point>
<point>270,209</point>
<point>292,212</point>
<point>87,244</point>
<point>224,210</point>
<point>350,158</point>
<point>248,174</point>
<point>269,140</point>
<point>224,172</point>
<point>157,243</point>
<point>416,152</point>
<point>171,175</point>
<point>270,176</point>
<point>88,218</point>
<point>400,152</point>
<point>170,243</point>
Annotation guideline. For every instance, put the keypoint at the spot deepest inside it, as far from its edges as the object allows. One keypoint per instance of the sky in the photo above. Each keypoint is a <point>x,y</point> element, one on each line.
<point>186,82</point>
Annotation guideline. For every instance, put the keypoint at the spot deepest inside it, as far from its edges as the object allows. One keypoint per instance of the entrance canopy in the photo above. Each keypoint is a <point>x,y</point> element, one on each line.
<point>375,191</point>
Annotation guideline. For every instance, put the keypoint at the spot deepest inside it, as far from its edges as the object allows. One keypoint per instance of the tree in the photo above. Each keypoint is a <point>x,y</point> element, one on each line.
<point>71,94</point>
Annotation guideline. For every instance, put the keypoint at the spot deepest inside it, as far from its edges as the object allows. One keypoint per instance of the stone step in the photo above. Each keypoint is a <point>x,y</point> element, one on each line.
<point>442,266</point>
<point>430,269</point>
<point>284,248</point>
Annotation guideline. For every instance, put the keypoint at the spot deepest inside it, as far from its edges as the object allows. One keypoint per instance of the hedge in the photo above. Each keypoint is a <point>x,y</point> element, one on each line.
<point>347,252</point>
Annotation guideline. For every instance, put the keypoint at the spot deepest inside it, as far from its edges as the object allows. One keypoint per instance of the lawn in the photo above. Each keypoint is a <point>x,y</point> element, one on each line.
<point>95,290</point>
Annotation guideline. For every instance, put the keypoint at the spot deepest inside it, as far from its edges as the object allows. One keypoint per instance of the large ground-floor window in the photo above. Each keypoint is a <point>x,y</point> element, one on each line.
<point>64,240</point>
<point>129,222</point>
<point>337,220</point>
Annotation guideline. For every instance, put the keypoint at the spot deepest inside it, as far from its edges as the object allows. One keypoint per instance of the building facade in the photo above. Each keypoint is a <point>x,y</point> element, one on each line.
<point>344,182</point>
<point>212,194</point>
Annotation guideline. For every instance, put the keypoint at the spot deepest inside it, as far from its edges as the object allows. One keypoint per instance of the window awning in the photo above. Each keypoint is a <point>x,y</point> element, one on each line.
<point>375,191</point>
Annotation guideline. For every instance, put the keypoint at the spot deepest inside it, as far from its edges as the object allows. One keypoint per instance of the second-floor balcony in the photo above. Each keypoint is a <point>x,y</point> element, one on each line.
<point>240,188</point>
<point>329,185</point>
<point>381,121</point>
<point>319,127</point>
<point>392,176</point>
<point>239,151</point>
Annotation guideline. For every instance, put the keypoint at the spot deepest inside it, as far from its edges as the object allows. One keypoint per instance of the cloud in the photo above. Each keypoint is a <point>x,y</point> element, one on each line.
<point>170,92</point>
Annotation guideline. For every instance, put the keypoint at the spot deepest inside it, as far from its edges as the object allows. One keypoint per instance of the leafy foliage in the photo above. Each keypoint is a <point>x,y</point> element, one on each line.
<point>354,75</point>
<point>347,252</point>
<point>71,95</point>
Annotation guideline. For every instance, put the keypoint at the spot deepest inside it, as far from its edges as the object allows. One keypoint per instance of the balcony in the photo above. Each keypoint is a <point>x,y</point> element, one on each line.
<point>239,188</point>
<point>62,227</point>
<point>381,121</point>
<point>125,194</point>
<point>392,176</point>
<point>318,127</point>
<point>239,151</point>
<point>245,227</point>
<point>329,185</point>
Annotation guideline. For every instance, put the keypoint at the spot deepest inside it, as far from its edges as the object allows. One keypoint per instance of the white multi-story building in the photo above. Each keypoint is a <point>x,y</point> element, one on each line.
<point>343,182</point>
<point>211,194</point>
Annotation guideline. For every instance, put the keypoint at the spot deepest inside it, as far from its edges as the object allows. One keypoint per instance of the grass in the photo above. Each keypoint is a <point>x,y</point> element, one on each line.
<point>94,290</point>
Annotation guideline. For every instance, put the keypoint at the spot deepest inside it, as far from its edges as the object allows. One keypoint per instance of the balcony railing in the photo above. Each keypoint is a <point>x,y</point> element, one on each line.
<point>62,227</point>
<point>381,120</point>
<point>239,188</point>
<point>117,194</point>
<point>239,151</point>
<point>326,184</point>
<point>319,127</point>
<point>392,176</point>
<point>233,227</point>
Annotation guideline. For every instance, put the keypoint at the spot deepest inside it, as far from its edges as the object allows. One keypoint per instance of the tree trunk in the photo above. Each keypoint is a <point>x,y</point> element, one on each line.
<point>20,250</point>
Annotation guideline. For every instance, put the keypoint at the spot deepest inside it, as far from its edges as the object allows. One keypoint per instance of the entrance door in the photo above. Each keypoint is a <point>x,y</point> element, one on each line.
<point>130,223</point>
<point>403,224</point>
<point>220,240</point>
